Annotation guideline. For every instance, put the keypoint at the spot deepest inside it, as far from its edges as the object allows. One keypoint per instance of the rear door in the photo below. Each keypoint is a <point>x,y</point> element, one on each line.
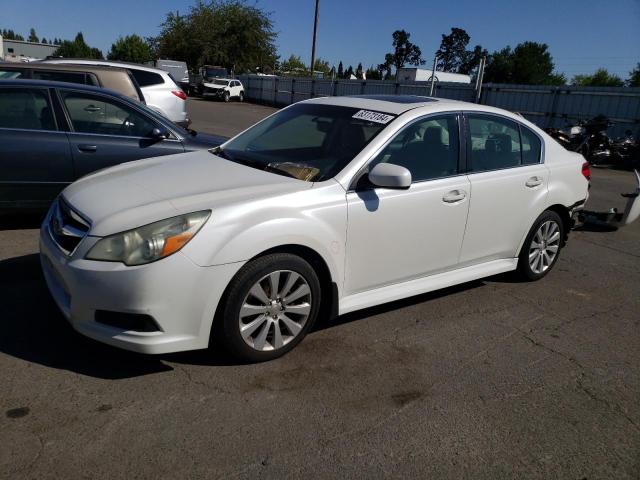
<point>508,186</point>
<point>35,158</point>
<point>106,131</point>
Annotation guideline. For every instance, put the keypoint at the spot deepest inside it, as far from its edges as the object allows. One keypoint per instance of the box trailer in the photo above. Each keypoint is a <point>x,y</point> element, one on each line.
<point>415,74</point>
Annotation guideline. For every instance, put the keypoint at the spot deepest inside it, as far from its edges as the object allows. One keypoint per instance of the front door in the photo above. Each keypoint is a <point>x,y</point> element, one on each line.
<point>106,132</point>
<point>398,235</point>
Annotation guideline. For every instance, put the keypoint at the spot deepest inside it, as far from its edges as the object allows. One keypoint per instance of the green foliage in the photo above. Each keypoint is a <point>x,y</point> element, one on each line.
<point>529,63</point>
<point>634,77</point>
<point>322,66</point>
<point>11,35</point>
<point>601,78</point>
<point>32,36</point>
<point>229,33</point>
<point>340,70</point>
<point>359,71</point>
<point>348,73</point>
<point>77,48</point>
<point>403,52</point>
<point>373,73</point>
<point>131,48</point>
<point>293,66</point>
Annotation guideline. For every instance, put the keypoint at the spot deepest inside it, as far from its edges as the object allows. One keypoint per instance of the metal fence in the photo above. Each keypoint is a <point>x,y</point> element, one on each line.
<point>546,106</point>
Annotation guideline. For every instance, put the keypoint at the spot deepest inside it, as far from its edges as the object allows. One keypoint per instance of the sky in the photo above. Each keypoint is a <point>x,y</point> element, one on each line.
<point>582,34</point>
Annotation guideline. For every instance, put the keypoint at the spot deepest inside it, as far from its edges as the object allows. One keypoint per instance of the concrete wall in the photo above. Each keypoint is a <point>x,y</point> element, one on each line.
<point>16,50</point>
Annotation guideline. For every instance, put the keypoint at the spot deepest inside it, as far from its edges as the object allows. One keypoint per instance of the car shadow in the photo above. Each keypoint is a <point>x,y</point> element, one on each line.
<point>24,220</point>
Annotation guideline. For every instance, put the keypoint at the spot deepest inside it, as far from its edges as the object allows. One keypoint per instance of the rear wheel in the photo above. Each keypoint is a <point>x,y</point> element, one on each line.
<point>271,304</point>
<point>542,246</point>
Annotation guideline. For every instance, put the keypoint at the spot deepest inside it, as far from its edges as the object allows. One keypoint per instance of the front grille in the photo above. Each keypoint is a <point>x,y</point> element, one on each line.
<point>67,227</point>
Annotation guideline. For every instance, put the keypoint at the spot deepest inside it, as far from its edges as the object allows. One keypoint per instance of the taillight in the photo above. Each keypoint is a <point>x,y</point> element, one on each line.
<point>180,94</point>
<point>586,171</point>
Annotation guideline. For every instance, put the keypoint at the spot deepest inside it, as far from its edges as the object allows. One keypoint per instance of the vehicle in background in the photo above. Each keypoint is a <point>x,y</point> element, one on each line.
<point>328,206</point>
<point>415,74</point>
<point>206,73</point>
<point>177,69</point>
<point>223,89</point>
<point>113,78</point>
<point>160,91</point>
<point>626,151</point>
<point>589,138</point>
<point>52,133</point>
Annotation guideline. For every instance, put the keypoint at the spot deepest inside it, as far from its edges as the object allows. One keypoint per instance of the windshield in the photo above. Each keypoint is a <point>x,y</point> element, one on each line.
<point>216,72</point>
<point>221,82</point>
<point>309,142</point>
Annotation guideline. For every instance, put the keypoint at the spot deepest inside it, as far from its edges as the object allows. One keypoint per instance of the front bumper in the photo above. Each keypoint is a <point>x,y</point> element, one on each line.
<point>179,295</point>
<point>213,92</point>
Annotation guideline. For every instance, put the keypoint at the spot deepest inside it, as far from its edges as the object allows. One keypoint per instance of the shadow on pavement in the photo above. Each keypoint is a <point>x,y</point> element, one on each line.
<point>34,330</point>
<point>21,221</point>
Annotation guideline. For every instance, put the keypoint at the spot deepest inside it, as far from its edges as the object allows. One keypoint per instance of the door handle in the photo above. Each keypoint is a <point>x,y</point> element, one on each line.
<point>87,148</point>
<point>91,109</point>
<point>534,182</point>
<point>454,196</point>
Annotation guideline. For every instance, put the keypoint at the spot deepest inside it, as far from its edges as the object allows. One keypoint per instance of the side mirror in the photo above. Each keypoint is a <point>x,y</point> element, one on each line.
<point>388,175</point>
<point>159,133</point>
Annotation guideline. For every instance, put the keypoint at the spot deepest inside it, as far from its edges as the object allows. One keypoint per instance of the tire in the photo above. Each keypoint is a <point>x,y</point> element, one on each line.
<point>262,326</point>
<point>532,267</point>
<point>241,97</point>
<point>226,97</point>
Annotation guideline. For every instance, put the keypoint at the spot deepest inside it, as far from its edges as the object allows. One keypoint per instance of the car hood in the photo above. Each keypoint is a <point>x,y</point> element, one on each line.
<point>214,86</point>
<point>141,192</point>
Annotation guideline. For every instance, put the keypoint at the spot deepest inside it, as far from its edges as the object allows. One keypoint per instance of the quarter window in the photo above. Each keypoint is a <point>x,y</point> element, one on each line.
<point>427,148</point>
<point>531,146</point>
<point>146,79</point>
<point>99,115</point>
<point>28,109</point>
<point>495,143</point>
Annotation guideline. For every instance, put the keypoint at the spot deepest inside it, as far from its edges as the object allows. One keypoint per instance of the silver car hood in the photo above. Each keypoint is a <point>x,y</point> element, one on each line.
<point>144,191</point>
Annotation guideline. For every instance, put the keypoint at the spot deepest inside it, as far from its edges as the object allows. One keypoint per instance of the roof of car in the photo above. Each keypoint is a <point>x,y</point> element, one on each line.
<point>18,82</point>
<point>90,61</point>
<point>395,104</point>
<point>62,66</point>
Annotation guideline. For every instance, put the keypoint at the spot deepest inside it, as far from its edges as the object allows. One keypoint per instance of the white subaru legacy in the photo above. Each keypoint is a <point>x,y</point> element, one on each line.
<point>328,206</point>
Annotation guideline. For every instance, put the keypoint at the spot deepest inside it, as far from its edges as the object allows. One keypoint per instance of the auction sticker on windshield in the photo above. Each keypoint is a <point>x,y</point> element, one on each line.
<point>373,116</point>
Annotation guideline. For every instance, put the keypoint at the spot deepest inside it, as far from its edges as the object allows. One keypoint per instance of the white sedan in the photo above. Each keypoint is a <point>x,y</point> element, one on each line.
<point>328,206</point>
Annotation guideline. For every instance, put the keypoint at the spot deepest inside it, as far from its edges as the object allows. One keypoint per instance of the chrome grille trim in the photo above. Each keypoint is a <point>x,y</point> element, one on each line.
<point>66,226</point>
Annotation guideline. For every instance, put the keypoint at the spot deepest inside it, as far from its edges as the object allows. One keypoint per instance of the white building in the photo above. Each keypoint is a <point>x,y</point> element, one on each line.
<point>21,51</point>
<point>414,74</point>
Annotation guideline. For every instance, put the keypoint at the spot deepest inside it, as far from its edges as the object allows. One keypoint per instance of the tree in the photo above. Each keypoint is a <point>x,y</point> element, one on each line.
<point>529,63</point>
<point>634,77</point>
<point>601,78</point>
<point>348,73</point>
<point>359,70</point>
<point>11,35</point>
<point>373,73</point>
<point>131,48</point>
<point>44,40</point>
<point>322,66</point>
<point>229,33</point>
<point>77,48</point>
<point>293,64</point>
<point>453,50</point>
<point>403,52</point>
<point>340,70</point>
<point>32,36</point>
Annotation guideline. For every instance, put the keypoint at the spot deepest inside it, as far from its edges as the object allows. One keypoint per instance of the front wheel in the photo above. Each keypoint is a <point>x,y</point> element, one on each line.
<point>271,304</point>
<point>241,97</point>
<point>226,97</point>
<point>541,247</point>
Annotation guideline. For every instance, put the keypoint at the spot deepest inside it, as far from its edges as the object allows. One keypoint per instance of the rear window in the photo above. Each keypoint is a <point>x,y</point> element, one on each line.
<point>146,79</point>
<point>25,108</point>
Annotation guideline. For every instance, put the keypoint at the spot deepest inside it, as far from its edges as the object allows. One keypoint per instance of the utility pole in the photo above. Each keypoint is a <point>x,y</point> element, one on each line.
<point>433,76</point>
<point>315,32</point>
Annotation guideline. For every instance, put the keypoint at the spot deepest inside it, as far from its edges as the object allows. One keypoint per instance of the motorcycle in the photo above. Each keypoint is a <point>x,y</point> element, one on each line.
<point>626,151</point>
<point>586,137</point>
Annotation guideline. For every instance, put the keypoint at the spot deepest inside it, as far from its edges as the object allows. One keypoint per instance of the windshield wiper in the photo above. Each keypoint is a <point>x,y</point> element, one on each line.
<point>273,167</point>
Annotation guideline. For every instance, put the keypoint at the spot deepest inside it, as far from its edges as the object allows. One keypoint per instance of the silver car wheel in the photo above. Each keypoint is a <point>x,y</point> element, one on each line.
<point>275,310</point>
<point>544,247</point>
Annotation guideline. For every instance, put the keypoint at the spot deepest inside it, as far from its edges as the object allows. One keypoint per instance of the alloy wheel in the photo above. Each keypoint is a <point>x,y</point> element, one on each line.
<point>544,247</point>
<point>275,310</point>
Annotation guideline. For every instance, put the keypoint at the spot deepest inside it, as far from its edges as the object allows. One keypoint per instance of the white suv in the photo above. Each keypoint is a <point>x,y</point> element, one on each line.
<point>224,89</point>
<point>161,93</point>
<point>328,206</point>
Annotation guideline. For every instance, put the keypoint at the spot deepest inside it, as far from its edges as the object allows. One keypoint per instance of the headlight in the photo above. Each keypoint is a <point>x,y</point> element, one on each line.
<point>151,242</point>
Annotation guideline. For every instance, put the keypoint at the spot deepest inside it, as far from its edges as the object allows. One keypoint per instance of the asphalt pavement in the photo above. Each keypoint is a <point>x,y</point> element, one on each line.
<point>490,379</point>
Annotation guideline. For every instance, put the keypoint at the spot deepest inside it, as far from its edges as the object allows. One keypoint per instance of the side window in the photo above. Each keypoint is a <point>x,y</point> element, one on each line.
<point>427,148</point>
<point>101,115</point>
<point>24,108</point>
<point>9,74</point>
<point>495,143</point>
<point>52,76</point>
<point>146,79</point>
<point>531,146</point>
